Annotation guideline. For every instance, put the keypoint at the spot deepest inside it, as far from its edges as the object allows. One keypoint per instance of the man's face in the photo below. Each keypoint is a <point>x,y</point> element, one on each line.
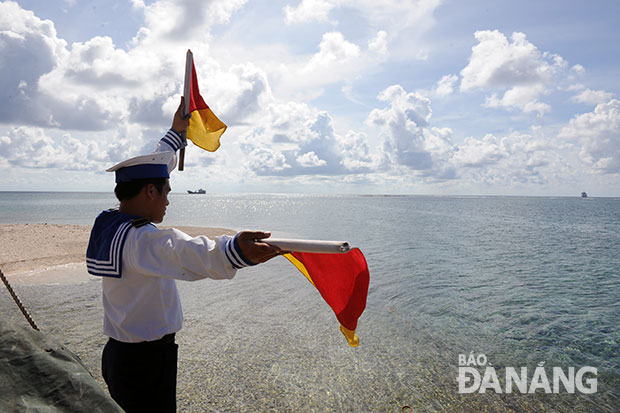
<point>159,203</point>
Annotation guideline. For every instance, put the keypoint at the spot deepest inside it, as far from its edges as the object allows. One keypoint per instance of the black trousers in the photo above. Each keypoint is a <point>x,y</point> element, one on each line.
<point>142,377</point>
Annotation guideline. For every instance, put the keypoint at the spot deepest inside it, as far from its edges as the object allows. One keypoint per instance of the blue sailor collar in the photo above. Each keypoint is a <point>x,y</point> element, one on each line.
<point>107,239</point>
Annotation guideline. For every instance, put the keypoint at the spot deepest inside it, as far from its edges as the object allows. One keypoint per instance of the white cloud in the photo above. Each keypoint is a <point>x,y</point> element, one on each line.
<point>95,85</point>
<point>445,85</point>
<point>578,69</point>
<point>430,153</point>
<point>370,28</point>
<point>476,153</point>
<point>309,11</point>
<point>333,49</point>
<point>412,107</point>
<point>598,133</point>
<point>523,97</point>
<point>400,13</point>
<point>92,103</point>
<point>293,139</point>
<point>309,160</point>
<point>516,67</point>
<point>266,161</point>
<point>32,45</point>
<point>336,61</point>
<point>246,89</point>
<point>592,97</point>
<point>197,17</point>
<point>576,87</point>
<point>422,54</point>
<point>408,139</point>
<point>378,44</point>
<point>31,147</point>
<point>405,21</point>
<point>356,153</point>
<point>512,160</point>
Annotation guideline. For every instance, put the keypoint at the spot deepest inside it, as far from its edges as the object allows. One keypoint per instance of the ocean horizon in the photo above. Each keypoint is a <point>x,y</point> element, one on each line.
<point>460,285</point>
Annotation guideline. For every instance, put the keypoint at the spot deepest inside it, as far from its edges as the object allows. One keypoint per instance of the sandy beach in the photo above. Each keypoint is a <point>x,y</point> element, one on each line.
<point>33,247</point>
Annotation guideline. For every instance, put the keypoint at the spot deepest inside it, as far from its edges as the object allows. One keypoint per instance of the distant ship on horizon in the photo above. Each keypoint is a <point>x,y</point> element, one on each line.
<point>584,195</point>
<point>198,191</point>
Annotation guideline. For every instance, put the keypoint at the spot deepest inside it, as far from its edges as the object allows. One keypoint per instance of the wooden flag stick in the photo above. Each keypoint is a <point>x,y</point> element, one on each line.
<point>187,96</point>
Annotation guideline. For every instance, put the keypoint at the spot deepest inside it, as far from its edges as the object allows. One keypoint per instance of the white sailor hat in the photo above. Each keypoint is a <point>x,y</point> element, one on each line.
<point>153,165</point>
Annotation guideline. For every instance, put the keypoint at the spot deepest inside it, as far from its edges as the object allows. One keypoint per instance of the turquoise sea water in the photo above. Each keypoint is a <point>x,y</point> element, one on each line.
<point>522,280</point>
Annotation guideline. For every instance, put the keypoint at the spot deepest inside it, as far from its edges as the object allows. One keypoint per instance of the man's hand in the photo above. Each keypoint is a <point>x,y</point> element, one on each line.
<point>180,124</point>
<point>255,250</point>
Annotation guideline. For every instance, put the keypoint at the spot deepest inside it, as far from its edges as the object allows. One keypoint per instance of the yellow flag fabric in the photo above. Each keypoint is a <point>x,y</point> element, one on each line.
<point>205,129</point>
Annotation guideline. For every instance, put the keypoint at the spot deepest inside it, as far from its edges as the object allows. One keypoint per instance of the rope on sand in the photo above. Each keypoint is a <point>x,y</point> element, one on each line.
<point>18,302</point>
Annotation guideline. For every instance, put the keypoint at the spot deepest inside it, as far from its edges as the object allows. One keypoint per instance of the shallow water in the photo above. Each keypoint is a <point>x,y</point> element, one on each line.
<point>522,280</point>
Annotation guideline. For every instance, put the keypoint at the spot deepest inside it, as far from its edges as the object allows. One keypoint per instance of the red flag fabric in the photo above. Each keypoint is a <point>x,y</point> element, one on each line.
<point>204,127</point>
<point>342,281</point>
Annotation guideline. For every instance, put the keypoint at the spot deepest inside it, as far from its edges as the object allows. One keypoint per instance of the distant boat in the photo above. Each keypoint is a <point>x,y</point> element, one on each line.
<point>198,191</point>
<point>584,195</point>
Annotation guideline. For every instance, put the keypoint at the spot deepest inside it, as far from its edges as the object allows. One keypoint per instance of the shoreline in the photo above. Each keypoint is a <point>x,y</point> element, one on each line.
<point>30,248</point>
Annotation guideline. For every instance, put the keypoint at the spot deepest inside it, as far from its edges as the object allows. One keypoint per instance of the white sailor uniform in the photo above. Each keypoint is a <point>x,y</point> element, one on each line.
<point>140,297</point>
<point>139,264</point>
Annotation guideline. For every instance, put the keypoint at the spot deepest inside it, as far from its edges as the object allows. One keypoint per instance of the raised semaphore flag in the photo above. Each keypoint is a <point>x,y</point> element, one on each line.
<point>338,272</point>
<point>205,129</point>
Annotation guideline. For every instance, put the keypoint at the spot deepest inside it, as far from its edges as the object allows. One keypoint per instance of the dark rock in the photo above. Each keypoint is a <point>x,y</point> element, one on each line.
<point>39,374</point>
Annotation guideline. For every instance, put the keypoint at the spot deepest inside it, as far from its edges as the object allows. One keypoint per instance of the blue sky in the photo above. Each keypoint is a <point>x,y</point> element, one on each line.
<point>321,96</point>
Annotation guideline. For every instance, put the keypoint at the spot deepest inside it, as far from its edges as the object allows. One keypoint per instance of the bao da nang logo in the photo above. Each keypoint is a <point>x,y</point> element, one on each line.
<point>476,374</point>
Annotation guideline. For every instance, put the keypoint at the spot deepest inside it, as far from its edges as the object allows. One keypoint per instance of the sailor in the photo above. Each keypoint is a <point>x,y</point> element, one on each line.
<point>139,264</point>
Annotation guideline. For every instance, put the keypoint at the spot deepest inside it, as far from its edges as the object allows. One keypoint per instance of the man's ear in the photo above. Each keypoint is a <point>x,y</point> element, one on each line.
<point>149,191</point>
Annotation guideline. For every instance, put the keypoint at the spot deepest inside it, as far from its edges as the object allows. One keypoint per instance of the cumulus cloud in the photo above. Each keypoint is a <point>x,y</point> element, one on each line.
<point>513,159</point>
<point>310,159</point>
<point>86,87</point>
<point>516,67</point>
<point>193,14</point>
<point>247,90</point>
<point>405,21</point>
<point>598,133</point>
<point>267,161</point>
<point>445,85</point>
<point>296,139</point>
<point>31,147</point>
<point>94,85</point>
<point>125,97</point>
<point>32,45</point>
<point>333,48</point>
<point>578,69</point>
<point>308,11</point>
<point>385,30</point>
<point>592,97</point>
<point>523,97</point>
<point>337,60</point>
<point>377,12</point>
<point>475,153</point>
<point>408,139</point>
<point>378,44</point>
<point>356,155</point>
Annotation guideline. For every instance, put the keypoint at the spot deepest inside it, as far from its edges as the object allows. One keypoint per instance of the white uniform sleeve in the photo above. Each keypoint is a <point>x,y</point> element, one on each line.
<point>171,253</point>
<point>172,141</point>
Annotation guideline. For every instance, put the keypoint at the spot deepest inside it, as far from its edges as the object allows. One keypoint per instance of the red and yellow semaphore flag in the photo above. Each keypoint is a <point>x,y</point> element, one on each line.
<point>342,281</point>
<point>204,127</point>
